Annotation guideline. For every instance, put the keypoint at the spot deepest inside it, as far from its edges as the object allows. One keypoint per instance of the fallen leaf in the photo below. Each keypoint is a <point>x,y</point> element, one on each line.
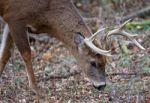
<point>47,56</point>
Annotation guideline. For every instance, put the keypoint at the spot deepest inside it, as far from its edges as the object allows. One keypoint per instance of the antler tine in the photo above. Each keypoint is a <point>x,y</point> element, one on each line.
<point>137,44</point>
<point>122,26</point>
<point>88,42</point>
<point>125,34</point>
<point>116,31</point>
<point>131,37</point>
<point>96,49</point>
<point>96,33</point>
<point>121,32</point>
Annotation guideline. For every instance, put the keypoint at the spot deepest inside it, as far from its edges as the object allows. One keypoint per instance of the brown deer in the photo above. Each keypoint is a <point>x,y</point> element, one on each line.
<point>60,19</point>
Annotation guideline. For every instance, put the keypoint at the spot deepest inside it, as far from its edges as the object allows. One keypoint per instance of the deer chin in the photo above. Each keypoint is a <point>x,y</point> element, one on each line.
<point>99,85</point>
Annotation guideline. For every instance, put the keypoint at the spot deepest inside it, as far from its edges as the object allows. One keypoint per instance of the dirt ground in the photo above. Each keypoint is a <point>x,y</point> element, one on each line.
<point>128,79</point>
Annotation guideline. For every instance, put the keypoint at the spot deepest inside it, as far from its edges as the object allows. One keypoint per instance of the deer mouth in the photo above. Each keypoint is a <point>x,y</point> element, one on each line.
<point>99,85</point>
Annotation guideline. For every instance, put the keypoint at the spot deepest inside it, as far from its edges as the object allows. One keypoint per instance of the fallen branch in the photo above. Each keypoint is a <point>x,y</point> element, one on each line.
<point>141,13</point>
<point>129,74</point>
<point>59,76</point>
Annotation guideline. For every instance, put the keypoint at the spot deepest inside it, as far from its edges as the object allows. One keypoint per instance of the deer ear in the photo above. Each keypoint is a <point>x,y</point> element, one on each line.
<point>79,38</point>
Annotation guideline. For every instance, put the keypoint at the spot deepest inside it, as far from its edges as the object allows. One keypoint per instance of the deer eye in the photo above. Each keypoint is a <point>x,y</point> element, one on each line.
<point>93,63</point>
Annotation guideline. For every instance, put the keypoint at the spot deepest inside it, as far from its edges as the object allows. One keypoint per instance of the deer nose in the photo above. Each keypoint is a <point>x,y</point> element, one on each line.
<point>100,86</point>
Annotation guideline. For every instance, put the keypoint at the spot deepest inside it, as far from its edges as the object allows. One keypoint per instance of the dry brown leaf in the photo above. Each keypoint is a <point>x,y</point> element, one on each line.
<point>47,56</point>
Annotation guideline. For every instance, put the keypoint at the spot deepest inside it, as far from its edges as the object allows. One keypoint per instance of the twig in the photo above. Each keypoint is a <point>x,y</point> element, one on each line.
<point>129,74</point>
<point>141,13</point>
<point>91,20</point>
<point>59,76</point>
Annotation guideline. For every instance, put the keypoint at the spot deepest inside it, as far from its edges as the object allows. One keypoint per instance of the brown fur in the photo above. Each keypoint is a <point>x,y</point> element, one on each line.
<point>59,18</point>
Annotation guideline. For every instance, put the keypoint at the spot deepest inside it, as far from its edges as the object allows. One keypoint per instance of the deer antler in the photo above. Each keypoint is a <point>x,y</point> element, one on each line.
<point>88,42</point>
<point>121,32</point>
<point>118,31</point>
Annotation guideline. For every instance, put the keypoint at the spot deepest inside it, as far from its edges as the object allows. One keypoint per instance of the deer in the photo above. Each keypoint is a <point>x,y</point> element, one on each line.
<point>62,20</point>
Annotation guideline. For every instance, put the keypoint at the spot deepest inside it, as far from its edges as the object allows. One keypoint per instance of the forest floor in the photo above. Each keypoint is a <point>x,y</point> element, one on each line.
<point>128,74</point>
